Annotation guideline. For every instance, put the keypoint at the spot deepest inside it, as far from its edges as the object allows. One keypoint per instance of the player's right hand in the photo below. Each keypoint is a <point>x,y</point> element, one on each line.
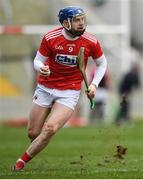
<point>45,71</point>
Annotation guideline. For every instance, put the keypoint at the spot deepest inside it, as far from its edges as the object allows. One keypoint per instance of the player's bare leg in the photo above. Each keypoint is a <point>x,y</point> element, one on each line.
<point>57,118</point>
<point>36,121</point>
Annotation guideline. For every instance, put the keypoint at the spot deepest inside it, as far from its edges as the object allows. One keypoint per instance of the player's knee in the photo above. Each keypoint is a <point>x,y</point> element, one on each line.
<point>50,129</point>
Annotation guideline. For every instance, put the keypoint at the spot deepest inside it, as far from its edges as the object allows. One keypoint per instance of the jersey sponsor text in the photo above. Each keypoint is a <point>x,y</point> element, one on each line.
<point>68,60</point>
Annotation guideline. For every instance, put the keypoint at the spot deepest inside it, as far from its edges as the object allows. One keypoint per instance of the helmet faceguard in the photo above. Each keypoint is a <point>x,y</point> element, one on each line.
<point>69,13</point>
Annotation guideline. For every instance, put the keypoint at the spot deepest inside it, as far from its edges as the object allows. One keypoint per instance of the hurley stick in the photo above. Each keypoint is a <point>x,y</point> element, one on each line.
<point>80,65</point>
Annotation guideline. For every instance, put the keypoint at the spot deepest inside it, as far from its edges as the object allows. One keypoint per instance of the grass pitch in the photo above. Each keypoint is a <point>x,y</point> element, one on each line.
<point>75,153</point>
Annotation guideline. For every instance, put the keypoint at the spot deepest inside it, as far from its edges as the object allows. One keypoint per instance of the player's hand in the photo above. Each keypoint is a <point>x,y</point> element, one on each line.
<point>91,91</point>
<point>45,71</point>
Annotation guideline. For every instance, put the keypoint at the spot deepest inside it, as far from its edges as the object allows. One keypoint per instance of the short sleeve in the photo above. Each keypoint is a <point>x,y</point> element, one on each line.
<point>44,48</point>
<point>96,50</point>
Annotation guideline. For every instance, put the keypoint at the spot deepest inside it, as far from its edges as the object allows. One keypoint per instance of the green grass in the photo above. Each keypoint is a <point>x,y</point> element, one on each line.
<point>76,153</point>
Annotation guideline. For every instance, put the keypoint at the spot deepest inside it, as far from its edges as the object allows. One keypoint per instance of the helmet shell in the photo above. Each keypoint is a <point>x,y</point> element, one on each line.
<point>70,12</point>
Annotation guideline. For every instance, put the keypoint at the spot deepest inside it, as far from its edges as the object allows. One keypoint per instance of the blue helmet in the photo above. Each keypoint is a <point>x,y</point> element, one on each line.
<point>69,12</point>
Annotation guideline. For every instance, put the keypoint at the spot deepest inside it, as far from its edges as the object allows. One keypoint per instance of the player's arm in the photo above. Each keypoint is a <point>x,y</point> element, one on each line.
<point>101,66</point>
<point>39,64</point>
<point>42,55</point>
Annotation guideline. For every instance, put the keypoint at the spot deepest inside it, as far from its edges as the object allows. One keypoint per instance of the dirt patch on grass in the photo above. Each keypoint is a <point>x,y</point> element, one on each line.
<point>120,152</point>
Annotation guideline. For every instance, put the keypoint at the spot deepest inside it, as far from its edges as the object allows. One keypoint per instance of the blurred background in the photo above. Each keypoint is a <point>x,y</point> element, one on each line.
<point>117,25</point>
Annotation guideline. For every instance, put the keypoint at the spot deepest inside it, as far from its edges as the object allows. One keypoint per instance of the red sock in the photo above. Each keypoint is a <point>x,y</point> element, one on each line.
<point>25,157</point>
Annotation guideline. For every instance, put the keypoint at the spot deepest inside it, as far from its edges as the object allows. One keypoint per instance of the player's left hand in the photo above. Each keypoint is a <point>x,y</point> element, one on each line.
<point>91,91</point>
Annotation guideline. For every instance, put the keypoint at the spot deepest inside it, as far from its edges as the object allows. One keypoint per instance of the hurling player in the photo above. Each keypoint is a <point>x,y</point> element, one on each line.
<point>59,84</point>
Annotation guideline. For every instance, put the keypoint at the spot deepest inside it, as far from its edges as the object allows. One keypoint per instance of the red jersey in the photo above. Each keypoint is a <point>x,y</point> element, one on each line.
<point>62,54</point>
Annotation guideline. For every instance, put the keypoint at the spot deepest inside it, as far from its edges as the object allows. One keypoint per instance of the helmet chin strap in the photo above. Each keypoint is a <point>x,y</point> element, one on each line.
<point>71,31</point>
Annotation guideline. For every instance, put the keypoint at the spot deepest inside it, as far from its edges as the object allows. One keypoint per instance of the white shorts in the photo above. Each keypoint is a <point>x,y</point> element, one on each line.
<point>46,97</point>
